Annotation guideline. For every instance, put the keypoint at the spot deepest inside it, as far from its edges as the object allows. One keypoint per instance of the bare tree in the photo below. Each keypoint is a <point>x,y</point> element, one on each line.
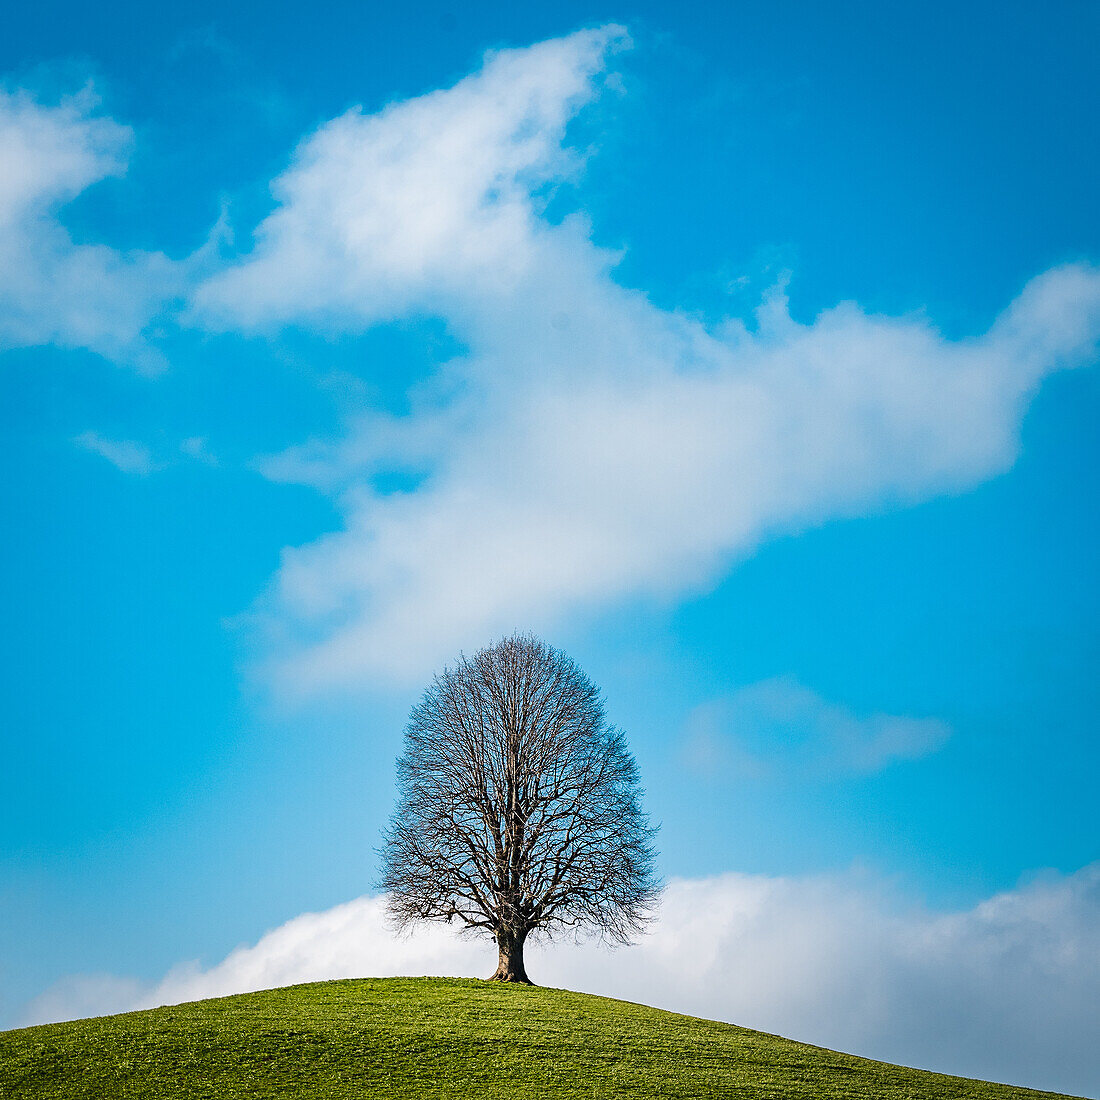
<point>519,807</point>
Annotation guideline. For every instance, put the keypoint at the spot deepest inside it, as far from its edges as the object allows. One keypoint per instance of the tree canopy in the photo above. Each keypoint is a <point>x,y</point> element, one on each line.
<point>519,808</point>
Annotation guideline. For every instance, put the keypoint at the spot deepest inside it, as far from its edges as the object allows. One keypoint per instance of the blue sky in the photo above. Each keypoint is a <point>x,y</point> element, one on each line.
<point>748,354</point>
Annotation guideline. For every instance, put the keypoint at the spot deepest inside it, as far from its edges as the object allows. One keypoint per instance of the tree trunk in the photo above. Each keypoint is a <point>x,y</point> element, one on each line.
<point>510,962</point>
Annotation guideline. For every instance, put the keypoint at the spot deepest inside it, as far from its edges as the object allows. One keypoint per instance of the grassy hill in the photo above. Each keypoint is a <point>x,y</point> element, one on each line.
<point>434,1037</point>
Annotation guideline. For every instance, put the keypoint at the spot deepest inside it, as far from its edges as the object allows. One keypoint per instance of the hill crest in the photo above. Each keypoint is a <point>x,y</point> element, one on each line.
<point>442,1037</point>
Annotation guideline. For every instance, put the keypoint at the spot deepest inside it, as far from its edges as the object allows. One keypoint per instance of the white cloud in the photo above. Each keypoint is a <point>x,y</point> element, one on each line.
<point>198,448</point>
<point>780,721</point>
<point>1006,990</point>
<point>430,197</point>
<point>53,290</point>
<point>590,447</point>
<point>128,456</point>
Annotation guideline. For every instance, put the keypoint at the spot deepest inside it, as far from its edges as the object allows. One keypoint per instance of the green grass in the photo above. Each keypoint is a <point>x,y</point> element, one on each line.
<point>435,1037</point>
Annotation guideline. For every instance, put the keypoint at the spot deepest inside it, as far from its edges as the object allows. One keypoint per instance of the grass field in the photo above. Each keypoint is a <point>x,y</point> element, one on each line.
<point>435,1037</point>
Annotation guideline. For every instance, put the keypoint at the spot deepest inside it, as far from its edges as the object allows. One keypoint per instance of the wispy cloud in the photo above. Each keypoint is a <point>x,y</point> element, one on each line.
<point>198,448</point>
<point>781,725</point>
<point>53,290</point>
<point>126,454</point>
<point>133,457</point>
<point>1004,990</point>
<point>590,447</point>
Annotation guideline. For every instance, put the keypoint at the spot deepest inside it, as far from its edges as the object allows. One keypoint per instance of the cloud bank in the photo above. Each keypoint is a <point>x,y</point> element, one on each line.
<point>1006,990</point>
<point>52,289</point>
<point>588,447</point>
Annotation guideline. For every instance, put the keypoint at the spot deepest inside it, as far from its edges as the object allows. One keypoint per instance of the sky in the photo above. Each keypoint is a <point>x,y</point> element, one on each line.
<point>746,353</point>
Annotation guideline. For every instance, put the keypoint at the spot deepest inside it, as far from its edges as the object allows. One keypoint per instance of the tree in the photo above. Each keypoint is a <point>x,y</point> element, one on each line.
<point>519,807</point>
